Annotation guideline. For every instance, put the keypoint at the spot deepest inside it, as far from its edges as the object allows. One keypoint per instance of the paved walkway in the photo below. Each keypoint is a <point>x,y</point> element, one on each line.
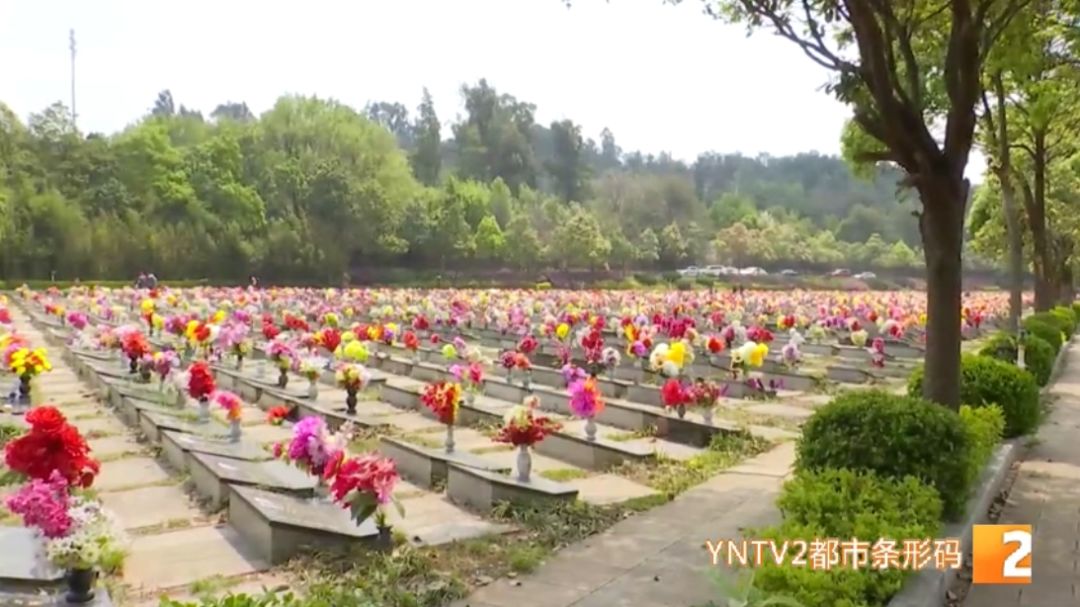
<point>1046,495</point>
<point>658,558</point>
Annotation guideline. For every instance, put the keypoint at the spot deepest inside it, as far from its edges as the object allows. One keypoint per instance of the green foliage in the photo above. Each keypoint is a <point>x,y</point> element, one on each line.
<point>1049,330</point>
<point>9,432</point>
<point>987,381</point>
<point>844,504</point>
<point>1066,317</point>
<point>1038,354</point>
<point>985,427</point>
<point>894,436</point>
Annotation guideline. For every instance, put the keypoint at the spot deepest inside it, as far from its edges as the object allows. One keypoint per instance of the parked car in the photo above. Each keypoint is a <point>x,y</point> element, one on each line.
<point>690,272</point>
<point>865,276</point>
<point>714,271</point>
<point>753,272</point>
<point>788,273</point>
<point>840,272</point>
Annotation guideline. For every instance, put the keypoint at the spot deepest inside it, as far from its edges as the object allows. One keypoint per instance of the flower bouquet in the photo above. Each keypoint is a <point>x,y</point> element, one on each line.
<point>77,320</point>
<point>443,399</point>
<point>365,485</point>
<point>282,355</point>
<point>26,364</point>
<point>586,402</point>
<point>43,505</point>
<point>146,367</point>
<point>351,378</point>
<point>610,357</point>
<point>676,395</point>
<point>877,352</point>
<point>312,369</point>
<point>234,410</point>
<point>411,343</point>
<point>471,378</point>
<point>94,539</point>
<point>314,449</point>
<point>277,415</point>
<point>572,373</point>
<point>523,428</point>
<point>704,394</point>
<point>200,386</point>
<point>51,445</point>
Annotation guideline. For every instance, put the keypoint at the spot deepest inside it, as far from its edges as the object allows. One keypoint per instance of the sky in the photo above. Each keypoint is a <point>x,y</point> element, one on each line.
<point>661,77</point>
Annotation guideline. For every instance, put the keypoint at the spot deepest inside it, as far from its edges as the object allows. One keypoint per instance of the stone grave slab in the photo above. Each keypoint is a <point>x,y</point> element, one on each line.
<point>113,446</point>
<point>431,520</point>
<point>279,526</point>
<point>55,598</point>
<point>604,489</point>
<point>22,560</point>
<point>177,558</point>
<point>148,506</point>
<point>780,410</point>
<point>153,423</point>
<point>98,426</point>
<point>176,446</point>
<point>130,472</point>
<point>214,476</point>
<point>427,467</point>
<point>264,434</point>
<point>481,489</point>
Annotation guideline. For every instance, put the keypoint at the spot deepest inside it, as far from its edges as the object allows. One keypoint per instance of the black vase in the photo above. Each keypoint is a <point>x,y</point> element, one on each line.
<point>134,366</point>
<point>283,378</point>
<point>144,375</point>
<point>80,586</point>
<point>350,402</point>
<point>24,389</point>
<point>385,539</point>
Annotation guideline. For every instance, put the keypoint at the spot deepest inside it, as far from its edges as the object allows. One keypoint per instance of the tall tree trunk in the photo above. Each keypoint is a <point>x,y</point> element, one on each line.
<point>1016,251</point>
<point>942,225</point>
<point>1045,292</point>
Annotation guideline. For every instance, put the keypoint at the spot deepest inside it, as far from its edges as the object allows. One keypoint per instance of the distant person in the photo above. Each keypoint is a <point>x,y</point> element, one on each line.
<point>140,282</point>
<point>151,281</point>
<point>254,281</point>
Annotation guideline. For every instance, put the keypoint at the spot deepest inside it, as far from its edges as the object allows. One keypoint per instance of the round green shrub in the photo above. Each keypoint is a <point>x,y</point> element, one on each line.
<point>1038,354</point>
<point>1067,318</point>
<point>1050,332</point>
<point>988,381</point>
<point>892,435</point>
<point>1076,309</point>
<point>846,504</point>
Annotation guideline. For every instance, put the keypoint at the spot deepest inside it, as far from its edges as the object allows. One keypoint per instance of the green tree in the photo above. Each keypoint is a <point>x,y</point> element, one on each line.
<point>489,239</point>
<point>427,159</point>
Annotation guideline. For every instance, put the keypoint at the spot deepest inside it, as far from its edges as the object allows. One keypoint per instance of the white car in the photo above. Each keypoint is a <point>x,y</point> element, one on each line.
<point>752,272</point>
<point>690,272</point>
<point>865,276</point>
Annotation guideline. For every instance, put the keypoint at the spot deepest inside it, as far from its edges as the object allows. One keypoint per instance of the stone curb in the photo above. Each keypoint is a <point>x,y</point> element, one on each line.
<point>928,587</point>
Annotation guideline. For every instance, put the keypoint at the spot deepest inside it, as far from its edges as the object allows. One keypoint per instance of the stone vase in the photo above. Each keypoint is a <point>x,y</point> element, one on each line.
<point>470,397</point>
<point>283,378</point>
<point>234,431</point>
<point>239,362</point>
<point>313,389</point>
<point>524,463</point>
<point>260,371</point>
<point>681,411</point>
<point>204,410</point>
<point>706,415</point>
<point>350,402</point>
<point>384,541</point>
<point>449,438</point>
<point>590,430</point>
<point>527,382</point>
<point>80,586</point>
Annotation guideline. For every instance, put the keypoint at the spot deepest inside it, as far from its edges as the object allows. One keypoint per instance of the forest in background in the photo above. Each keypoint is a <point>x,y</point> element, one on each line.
<point>313,189</point>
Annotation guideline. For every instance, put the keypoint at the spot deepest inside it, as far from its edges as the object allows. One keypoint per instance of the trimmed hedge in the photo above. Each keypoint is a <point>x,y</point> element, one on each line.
<point>986,381</point>
<point>845,504</point>
<point>985,427</point>
<point>1067,318</point>
<point>892,435</point>
<point>1038,354</point>
<point>1047,330</point>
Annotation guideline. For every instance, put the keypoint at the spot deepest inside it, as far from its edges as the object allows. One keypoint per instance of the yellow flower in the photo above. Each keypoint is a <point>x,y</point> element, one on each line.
<point>331,319</point>
<point>562,331</point>
<point>374,332</point>
<point>355,350</point>
<point>758,354</point>
<point>189,330</point>
<point>677,354</point>
<point>157,321</point>
<point>147,306</point>
<point>348,336</point>
<point>218,317</point>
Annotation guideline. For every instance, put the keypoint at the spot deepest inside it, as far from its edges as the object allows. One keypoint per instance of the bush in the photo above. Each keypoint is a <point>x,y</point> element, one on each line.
<point>985,427</point>
<point>986,381</point>
<point>1038,354</point>
<point>1076,309</point>
<point>706,281</point>
<point>1047,328</point>
<point>844,504</point>
<point>685,284</point>
<point>894,436</point>
<point>1066,317</point>
<point>647,280</point>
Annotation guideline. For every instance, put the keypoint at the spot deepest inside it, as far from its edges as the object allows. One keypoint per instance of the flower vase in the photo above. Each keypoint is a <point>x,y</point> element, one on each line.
<point>449,438</point>
<point>24,389</point>
<point>590,430</point>
<point>260,371</point>
<point>204,410</point>
<point>350,402</point>
<point>133,366</point>
<point>239,362</point>
<point>313,389</point>
<point>706,415</point>
<point>611,373</point>
<point>80,586</point>
<point>470,397</point>
<point>322,491</point>
<point>416,357</point>
<point>681,411</point>
<point>283,378</point>
<point>181,400</point>
<point>527,382</point>
<point>524,463</point>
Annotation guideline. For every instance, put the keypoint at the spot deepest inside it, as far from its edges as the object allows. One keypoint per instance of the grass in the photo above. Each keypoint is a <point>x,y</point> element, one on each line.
<point>671,477</point>
<point>8,432</point>
<point>493,449</point>
<point>562,475</point>
<point>211,585</point>
<point>648,431</point>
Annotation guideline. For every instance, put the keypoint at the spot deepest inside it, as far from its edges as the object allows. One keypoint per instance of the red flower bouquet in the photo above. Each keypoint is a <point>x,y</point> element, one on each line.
<point>270,331</point>
<point>443,398</point>
<point>329,338</point>
<point>200,381</point>
<point>364,484</point>
<point>135,345</point>
<point>276,415</point>
<point>410,341</point>
<point>675,394</point>
<point>524,427</point>
<point>52,444</point>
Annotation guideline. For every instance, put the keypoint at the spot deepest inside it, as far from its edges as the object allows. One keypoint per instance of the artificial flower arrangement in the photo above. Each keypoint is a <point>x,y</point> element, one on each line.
<point>200,381</point>
<point>512,360</point>
<point>314,449</point>
<point>586,402</point>
<point>572,373</point>
<point>748,356</point>
<point>675,394</point>
<point>94,538</point>
<point>444,399</point>
<point>282,355</point>
<point>134,345</point>
<point>234,411</point>
<point>365,486</point>
<point>610,358</point>
<point>877,352</point>
<point>411,343</point>
<point>790,354</point>
<point>704,394</point>
<point>670,359</point>
<point>353,379</point>
<point>77,320</point>
<point>353,350</point>
<point>146,367</point>
<point>277,415</point>
<point>51,445</point>
<point>816,333</point>
<point>311,369</point>
<point>715,345</point>
<point>26,364</point>
<point>471,378</point>
<point>328,338</point>
<point>523,428</point>
<point>859,337</point>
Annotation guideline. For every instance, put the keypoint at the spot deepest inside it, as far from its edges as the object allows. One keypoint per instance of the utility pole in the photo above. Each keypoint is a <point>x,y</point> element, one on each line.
<point>73,114</point>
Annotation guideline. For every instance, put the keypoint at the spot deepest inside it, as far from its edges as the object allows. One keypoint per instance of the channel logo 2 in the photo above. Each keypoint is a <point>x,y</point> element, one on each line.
<point>1001,554</point>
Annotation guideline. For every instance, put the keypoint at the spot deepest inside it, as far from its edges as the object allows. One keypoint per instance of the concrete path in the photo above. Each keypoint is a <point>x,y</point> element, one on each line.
<point>658,558</point>
<point>1046,495</point>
